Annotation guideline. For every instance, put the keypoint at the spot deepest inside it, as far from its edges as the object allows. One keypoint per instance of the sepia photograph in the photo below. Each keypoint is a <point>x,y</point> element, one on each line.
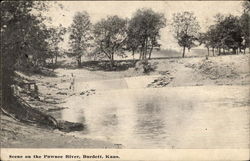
<point>124,75</point>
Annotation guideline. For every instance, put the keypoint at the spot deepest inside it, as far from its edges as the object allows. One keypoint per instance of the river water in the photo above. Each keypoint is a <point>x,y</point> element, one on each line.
<point>171,117</point>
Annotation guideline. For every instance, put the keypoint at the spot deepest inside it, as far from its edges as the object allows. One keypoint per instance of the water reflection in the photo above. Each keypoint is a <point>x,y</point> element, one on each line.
<point>150,122</point>
<point>109,122</point>
<point>165,118</point>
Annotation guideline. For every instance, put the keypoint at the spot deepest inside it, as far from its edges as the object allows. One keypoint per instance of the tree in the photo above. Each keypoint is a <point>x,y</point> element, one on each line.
<point>185,27</point>
<point>133,41</point>
<point>144,31</point>
<point>203,38</point>
<point>245,25</point>
<point>230,33</point>
<point>214,38</point>
<point>246,6</point>
<point>22,34</point>
<point>227,33</point>
<point>56,36</point>
<point>80,35</point>
<point>110,36</point>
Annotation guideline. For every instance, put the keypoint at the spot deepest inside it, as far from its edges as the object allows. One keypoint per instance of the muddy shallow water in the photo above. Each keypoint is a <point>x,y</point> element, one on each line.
<point>171,117</point>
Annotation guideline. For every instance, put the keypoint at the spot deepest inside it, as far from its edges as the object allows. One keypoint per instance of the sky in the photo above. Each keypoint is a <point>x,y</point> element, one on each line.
<point>203,10</point>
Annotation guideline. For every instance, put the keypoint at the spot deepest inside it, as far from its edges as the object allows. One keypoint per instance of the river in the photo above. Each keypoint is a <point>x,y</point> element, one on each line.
<point>171,117</point>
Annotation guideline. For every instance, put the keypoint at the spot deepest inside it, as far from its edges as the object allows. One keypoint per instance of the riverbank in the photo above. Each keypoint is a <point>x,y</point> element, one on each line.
<point>53,92</point>
<point>15,134</point>
<point>219,70</point>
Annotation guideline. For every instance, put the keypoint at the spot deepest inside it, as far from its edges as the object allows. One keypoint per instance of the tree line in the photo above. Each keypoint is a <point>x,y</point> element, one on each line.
<point>112,36</point>
<point>228,33</point>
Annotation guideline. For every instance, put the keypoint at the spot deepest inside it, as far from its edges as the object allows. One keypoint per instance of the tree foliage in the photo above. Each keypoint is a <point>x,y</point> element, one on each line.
<point>110,35</point>
<point>228,33</point>
<point>24,40</point>
<point>80,35</point>
<point>185,28</point>
<point>144,31</point>
<point>17,31</point>
<point>231,33</point>
<point>245,25</point>
<point>246,6</point>
<point>56,36</point>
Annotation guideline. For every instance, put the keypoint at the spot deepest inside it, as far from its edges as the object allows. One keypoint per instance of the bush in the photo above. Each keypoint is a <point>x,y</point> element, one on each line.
<point>144,66</point>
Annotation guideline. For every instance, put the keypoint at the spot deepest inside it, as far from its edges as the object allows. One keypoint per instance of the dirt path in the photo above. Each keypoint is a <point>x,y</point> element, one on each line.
<point>183,76</point>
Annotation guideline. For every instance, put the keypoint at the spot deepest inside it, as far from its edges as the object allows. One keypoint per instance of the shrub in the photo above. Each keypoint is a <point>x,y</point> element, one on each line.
<point>144,66</point>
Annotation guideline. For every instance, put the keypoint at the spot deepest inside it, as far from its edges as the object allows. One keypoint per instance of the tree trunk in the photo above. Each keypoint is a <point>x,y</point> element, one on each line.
<point>234,51</point>
<point>183,53</point>
<point>7,80</point>
<point>133,54</point>
<point>37,63</point>
<point>112,61</point>
<point>56,59</point>
<point>141,57</point>
<point>143,54</point>
<point>79,61</point>
<point>145,49</point>
<point>213,51</point>
<point>208,51</point>
<point>150,52</point>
